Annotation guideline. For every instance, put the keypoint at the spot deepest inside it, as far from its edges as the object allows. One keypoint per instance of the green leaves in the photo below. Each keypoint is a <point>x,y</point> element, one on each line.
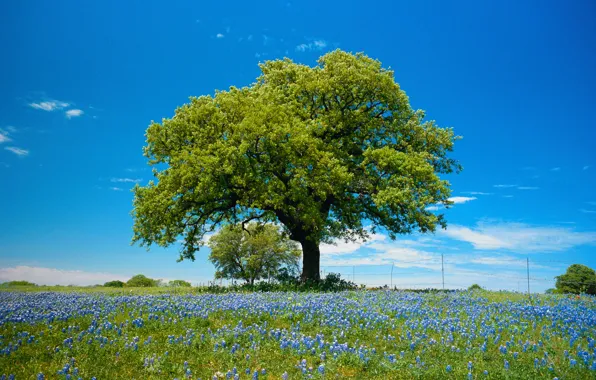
<point>257,252</point>
<point>578,279</point>
<point>318,149</point>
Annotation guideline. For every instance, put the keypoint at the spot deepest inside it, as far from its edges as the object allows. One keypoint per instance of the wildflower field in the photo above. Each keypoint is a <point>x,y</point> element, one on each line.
<point>355,334</point>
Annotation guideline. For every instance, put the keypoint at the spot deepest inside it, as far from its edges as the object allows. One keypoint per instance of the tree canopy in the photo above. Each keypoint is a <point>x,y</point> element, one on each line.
<point>114,284</point>
<point>253,253</point>
<point>179,284</point>
<point>322,150</point>
<point>578,279</point>
<point>141,281</point>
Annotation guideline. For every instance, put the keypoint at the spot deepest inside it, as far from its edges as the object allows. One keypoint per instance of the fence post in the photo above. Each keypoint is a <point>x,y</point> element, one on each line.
<point>442,271</point>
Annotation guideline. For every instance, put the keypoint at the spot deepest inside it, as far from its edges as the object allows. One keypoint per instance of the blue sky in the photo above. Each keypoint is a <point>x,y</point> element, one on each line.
<point>81,83</point>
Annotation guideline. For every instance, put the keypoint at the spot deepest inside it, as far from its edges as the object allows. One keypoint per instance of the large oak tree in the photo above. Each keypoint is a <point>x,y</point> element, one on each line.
<point>322,150</point>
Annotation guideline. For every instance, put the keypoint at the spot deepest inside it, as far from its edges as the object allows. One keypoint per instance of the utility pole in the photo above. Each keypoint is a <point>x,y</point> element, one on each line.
<point>528,267</point>
<point>392,275</point>
<point>443,271</point>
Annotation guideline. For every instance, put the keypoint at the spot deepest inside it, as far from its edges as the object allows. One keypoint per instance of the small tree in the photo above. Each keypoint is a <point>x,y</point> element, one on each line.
<point>141,281</point>
<point>475,287</point>
<point>252,253</point>
<point>114,284</point>
<point>179,283</point>
<point>578,279</point>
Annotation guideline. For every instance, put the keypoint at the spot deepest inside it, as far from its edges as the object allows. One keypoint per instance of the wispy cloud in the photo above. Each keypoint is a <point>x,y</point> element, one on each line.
<point>4,137</point>
<point>504,186</point>
<point>528,188</point>
<point>455,200</point>
<point>315,45</point>
<point>477,193</point>
<point>18,151</point>
<point>342,247</point>
<point>53,276</point>
<point>116,189</point>
<point>49,105</point>
<point>519,237</point>
<point>585,211</point>
<point>73,113</point>
<point>219,35</point>
<point>507,196</point>
<point>126,180</point>
<point>459,200</point>
<point>555,169</point>
<point>586,167</point>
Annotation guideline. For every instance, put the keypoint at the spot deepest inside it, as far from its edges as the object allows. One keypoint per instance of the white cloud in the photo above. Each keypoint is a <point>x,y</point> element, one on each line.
<point>477,193</point>
<point>49,105</point>
<point>555,169</point>
<point>520,237</point>
<point>498,260</point>
<point>315,45</point>
<point>587,211</point>
<point>586,167</point>
<point>73,113</point>
<point>528,188</point>
<point>480,240</point>
<point>18,151</point>
<point>504,186</point>
<point>342,247</point>
<point>219,35</point>
<point>507,196</point>
<point>116,189</point>
<point>125,180</point>
<point>459,200</point>
<point>53,276</point>
<point>455,200</point>
<point>4,137</point>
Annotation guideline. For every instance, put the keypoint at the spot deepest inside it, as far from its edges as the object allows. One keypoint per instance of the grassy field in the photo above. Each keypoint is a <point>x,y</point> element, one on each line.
<point>160,333</point>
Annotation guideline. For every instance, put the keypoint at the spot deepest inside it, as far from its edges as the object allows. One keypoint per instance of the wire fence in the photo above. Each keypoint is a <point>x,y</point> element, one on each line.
<point>448,272</point>
<point>443,272</point>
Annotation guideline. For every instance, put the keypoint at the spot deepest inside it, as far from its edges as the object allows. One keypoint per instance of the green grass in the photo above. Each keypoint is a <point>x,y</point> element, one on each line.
<point>369,321</point>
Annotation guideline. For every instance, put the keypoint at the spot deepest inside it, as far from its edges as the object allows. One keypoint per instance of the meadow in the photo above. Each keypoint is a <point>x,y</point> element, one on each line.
<point>73,333</point>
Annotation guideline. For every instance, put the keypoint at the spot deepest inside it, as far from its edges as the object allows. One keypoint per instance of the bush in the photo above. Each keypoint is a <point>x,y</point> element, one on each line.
<point>18,283</point>
<point>475,287</point>
<point>141,281</point>
<point>179,283</point>
<point>114,284</point>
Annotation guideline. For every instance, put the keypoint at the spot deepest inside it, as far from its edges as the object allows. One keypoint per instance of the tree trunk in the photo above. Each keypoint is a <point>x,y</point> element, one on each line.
<point>311,256</point>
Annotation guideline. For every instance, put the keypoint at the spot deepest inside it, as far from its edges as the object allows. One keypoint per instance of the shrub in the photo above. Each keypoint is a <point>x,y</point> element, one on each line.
<point>475,287</point>
<point>141,281</point>
<point>179,283</point>
<point>18,283</point>
<point>114,284</point>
